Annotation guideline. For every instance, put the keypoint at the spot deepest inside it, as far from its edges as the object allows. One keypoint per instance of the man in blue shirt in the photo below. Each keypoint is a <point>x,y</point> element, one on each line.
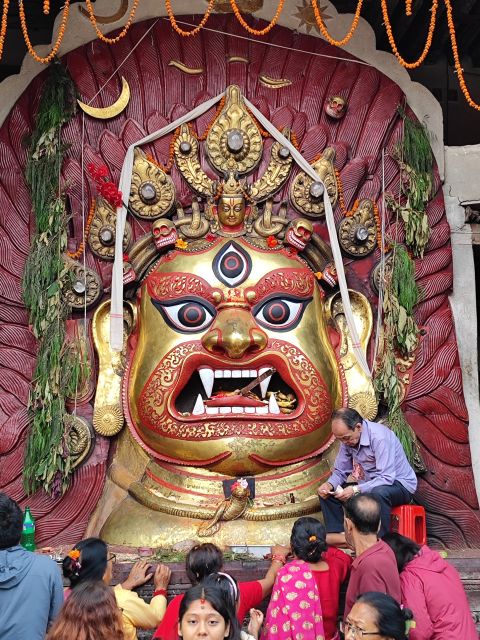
<point>31,591</point>
<point>373,455</point>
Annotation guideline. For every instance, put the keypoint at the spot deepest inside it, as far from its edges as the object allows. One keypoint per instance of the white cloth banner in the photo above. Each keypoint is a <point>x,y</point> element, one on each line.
<point>116,308</point>
<point>116,302</point>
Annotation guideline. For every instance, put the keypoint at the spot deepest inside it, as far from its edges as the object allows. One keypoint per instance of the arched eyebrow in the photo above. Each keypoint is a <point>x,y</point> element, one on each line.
<point>292,281</point>
<point>178,284</point>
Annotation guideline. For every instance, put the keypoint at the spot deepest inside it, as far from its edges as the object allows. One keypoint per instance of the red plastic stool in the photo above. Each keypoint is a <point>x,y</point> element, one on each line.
<point>409,521</point>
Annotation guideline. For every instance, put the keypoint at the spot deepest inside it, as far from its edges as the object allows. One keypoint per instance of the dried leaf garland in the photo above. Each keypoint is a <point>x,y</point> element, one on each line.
<point>415,157</point>
<point>47,458</point>
<point>400,333</point>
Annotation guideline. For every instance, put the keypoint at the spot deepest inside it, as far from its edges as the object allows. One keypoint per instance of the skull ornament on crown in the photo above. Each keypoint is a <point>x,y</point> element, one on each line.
<point>336,107</point>
<point>231,366</point>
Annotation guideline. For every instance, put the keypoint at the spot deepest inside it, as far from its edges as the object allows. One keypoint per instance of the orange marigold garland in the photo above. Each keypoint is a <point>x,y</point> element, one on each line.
<point>456,58</point>
<point>61,33</point>
<point>194,31</point>
<point>81,248</point>
<point>93,20</point>
<point>428,43</point>
<point>46,7</point>
<point>258,32</point>
<point>3,28</point>
<point>323,28</point>
<point>341,198</point>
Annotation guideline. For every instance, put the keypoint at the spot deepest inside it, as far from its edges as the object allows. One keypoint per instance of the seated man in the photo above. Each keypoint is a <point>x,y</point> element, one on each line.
<point>375,565</point>
<point>372,453</point>
<point>31,591</point>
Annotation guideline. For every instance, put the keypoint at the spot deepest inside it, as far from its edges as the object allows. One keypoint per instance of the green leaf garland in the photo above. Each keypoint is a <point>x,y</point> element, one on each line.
<point>47,459</point>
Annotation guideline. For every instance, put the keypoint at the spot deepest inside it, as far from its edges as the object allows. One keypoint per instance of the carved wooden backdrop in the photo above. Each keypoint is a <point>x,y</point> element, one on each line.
<point>160,93</point>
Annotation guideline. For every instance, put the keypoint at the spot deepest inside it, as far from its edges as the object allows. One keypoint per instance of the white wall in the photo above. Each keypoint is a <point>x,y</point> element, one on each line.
<point>462,184</point>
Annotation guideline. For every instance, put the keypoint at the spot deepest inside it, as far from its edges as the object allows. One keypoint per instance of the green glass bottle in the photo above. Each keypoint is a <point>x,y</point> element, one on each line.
<point>28,532</point>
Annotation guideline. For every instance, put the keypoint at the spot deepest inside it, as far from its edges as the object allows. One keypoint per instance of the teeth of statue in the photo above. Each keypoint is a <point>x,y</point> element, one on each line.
<point>261,410</point>
<point>219,373</point>
<point>272,405</point>
<point>237,409</point>
<point>212,411</point>
<point>226,373</point>
<point>249,409</point>
<point>246,373</point>
<point>253,373</point>
<point>264,384</point>
<point>199,407</point>
<point>236,373</point>
<point>225,409</point>
<point>207,376</point>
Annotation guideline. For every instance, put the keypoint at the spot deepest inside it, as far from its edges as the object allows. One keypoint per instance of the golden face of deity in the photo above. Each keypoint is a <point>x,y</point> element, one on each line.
<point>231,211</point>
<point>210,324</point>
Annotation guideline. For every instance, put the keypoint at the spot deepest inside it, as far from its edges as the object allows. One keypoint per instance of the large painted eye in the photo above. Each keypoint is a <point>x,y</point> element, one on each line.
<point>188,316</point>
<point>280,314</point>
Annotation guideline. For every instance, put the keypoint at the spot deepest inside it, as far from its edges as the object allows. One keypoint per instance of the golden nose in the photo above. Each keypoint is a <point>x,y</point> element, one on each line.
<point>234,333</point>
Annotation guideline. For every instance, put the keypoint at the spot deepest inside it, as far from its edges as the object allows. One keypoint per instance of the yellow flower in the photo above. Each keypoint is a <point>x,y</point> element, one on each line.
<point>181,244</point>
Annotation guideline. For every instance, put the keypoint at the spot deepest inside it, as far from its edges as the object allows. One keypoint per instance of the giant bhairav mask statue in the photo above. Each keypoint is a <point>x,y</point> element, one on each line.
<point>231,367</point>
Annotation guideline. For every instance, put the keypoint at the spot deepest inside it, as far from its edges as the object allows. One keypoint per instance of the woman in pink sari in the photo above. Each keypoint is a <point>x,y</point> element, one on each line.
<point>305,596</point>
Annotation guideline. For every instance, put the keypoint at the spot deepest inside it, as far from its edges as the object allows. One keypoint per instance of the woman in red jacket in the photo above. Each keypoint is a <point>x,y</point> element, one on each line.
<point>432,589</point>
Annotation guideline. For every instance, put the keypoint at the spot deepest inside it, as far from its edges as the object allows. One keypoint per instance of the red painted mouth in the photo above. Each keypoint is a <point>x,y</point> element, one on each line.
<point>208,387</point>
<point>169,403</point>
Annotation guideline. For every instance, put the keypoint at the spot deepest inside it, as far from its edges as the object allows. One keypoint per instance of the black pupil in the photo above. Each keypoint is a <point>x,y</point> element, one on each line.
<point>192,314</point>
<point>276,312</point>
<point>231,265</point>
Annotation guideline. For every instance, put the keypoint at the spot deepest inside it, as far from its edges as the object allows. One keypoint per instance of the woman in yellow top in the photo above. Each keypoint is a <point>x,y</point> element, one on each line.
<point>90,560</point>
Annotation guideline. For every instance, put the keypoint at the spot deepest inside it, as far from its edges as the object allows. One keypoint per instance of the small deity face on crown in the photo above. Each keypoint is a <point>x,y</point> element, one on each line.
<point>231,210</point>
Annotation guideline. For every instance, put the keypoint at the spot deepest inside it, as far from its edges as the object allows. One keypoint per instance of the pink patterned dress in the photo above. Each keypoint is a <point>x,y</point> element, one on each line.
<point>295,611</point>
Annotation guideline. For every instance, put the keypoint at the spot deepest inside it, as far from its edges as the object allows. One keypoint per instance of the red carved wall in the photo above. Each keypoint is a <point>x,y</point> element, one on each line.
<point>160,93</point>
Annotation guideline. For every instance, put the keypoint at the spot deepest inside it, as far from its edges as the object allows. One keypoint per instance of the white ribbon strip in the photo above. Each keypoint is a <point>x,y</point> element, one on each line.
<point>116,303</point>
<point>332,232</point>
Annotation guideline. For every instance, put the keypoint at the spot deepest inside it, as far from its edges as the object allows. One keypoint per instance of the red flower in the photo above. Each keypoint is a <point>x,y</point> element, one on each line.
<point>210,237</point>
<point>272,241</point>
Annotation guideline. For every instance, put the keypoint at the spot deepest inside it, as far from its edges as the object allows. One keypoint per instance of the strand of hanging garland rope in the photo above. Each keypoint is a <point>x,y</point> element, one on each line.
<point>323,28</point>
<point>194,31</point>
<point>391,39</point>
<point>122,34</point>
<point>61,32</point>
<point>256,32</point>
<point>3,28</point>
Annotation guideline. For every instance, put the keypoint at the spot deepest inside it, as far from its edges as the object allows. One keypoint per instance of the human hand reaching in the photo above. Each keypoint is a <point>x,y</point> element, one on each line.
<point>161,577</point>
<point>138,575</point>
<point>255,624</point>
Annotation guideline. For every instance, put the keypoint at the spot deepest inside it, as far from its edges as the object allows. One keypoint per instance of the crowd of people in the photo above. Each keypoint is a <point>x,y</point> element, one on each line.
<point>395,588</point>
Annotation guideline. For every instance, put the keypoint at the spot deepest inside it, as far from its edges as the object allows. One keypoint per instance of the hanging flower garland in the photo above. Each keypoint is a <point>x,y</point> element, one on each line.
<point>323,28</point>
<point>61,32</point>
<point>428,43</point>
<point>3,27</point>
<point>195,30</point>
<point>265,30</point>
<point>456,58</point>
<point>122,34</point>
<point>79,252</point>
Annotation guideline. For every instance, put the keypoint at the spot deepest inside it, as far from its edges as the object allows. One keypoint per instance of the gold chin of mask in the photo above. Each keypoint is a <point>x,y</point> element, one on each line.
<point>181,384</point>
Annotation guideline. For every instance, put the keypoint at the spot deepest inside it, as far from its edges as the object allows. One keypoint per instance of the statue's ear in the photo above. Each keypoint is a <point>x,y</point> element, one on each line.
<point>361,393</point>
<point>108,411</point>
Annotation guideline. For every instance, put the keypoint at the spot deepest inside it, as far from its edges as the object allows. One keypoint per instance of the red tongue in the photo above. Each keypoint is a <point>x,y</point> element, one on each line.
<point>235,400</point>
